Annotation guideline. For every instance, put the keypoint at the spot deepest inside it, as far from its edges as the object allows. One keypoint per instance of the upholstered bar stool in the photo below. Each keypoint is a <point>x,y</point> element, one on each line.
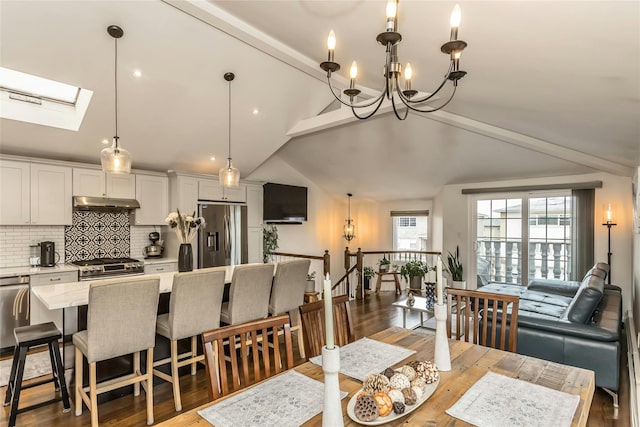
<point>121,320</point>
<point>287,293</point>
<point>194,307</point>
<point>27,337</point>
<point>249,294</point>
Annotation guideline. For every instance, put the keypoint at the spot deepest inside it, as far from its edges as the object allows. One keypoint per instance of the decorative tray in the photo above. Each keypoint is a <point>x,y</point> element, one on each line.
<point>428,391</point>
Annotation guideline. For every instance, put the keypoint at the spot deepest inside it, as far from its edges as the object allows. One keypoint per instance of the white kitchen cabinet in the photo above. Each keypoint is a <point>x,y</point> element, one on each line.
<point>254,244</point>
<point>121,185</point>
<point>51,193</point>
<point>209,189</point>
<point>95,183</point>
<point>152,192</point>
<point>14,193</point>
<point>254,205</point>
<point>89,182</point>
<point>235,194</point>
<point>161,267</point>
<point>183,193</point>
<point>39,313</point>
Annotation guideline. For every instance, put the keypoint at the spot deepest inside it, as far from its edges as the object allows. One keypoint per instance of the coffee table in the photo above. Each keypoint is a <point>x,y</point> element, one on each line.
<point>420,306</point>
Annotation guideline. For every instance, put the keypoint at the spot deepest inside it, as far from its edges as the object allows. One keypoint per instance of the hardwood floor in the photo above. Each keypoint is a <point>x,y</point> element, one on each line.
<point>369,317</point>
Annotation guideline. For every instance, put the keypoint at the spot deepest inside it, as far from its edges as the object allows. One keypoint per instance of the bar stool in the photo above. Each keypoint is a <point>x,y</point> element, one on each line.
<point>26,337</point>
<point>194,307</point>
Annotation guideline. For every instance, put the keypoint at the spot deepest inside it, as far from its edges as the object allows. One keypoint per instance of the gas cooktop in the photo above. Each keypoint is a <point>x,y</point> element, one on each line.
<point>108,267</point>
<point>103,261</point>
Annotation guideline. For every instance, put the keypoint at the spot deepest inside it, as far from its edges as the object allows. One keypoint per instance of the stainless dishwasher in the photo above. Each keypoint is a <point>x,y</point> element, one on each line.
<point>14,307</point>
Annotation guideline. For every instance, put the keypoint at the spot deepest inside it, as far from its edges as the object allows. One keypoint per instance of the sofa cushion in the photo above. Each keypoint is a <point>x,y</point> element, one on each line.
<point>526,294</point>
<point>586,300</point>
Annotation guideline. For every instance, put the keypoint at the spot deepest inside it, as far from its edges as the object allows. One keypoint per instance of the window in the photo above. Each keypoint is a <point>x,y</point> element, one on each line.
<point>410,232</point>
<point>34,99</point>
<point>521,237</point>
<point>406,222</point>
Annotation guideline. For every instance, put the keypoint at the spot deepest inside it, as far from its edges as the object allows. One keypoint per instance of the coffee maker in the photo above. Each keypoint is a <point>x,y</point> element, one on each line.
<point>155,249</point>
<point>48,255</point>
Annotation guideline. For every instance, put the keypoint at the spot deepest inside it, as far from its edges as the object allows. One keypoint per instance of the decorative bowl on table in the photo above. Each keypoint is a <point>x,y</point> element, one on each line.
<point>393,394</point>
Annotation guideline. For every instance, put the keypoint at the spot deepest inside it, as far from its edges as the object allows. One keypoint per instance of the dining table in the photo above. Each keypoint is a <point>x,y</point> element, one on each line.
<point>469,363</point>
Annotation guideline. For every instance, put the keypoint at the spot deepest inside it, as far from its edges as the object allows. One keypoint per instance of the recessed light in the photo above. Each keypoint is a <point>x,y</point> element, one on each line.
<point>137,73</point>
<point>212,158</point>
<point>255,111</point>
<point>105,141</point>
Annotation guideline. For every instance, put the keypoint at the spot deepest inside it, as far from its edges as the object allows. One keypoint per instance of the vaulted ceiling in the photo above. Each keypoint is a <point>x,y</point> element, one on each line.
<point>553,88</point>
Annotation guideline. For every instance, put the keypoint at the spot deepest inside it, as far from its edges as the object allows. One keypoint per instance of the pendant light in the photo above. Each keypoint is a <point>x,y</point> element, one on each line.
<point>115,159</point>
<point>349,227</point>
<point>229,176</point>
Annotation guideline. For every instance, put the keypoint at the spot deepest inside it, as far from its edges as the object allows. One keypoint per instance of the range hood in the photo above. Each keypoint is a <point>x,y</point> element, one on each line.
<point>87,203</point>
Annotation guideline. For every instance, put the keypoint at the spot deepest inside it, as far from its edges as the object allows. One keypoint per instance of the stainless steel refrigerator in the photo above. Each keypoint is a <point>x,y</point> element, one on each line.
<point>223,240</point>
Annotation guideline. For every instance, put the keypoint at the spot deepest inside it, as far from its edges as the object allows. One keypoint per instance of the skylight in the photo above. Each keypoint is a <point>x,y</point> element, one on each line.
<point>32,99</point>
<point>28,84</point>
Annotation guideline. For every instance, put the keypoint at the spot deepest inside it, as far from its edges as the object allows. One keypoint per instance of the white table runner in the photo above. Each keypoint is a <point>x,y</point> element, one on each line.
<point>365,356</point>
<point>289,399</point>
<point>496,400</point>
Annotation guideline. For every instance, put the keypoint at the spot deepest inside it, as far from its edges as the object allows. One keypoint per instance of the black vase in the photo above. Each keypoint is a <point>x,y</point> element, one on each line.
<point>185,257</point>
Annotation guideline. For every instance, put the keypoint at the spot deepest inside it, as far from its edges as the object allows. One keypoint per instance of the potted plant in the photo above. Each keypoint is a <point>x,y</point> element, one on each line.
<point>269,241</point>
<point>413,272</point>
<point>367,275</point>
<point>383,264</point>
<point>454,268</point>
<point>311,282</point>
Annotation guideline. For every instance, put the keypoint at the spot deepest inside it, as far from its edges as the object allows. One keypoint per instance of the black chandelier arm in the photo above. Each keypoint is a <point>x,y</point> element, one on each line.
<point>433,109</point>
<point>381,98</point>
<point>406,100</point>
<point>395,110</point>
<point>348,104</point>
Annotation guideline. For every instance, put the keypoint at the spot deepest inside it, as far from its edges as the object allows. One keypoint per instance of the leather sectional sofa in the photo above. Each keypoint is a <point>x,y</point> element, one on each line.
<point>574,323</point>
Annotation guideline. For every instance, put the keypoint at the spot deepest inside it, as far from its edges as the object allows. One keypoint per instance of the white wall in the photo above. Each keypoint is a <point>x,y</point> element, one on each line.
<point>615,189</point>
<point>323,228</point>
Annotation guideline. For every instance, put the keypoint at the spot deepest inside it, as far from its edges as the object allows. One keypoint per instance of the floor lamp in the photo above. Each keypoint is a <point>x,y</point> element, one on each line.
<point>609,222</point>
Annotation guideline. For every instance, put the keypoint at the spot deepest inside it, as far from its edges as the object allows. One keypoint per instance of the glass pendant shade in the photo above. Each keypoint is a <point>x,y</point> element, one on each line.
<point>115,159</point>
<point>229,176</point>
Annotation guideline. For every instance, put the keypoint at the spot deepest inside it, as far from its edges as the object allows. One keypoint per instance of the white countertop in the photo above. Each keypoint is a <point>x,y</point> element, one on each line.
<point>159,260</point>
<point>28,271</point>
<point>64,295</point>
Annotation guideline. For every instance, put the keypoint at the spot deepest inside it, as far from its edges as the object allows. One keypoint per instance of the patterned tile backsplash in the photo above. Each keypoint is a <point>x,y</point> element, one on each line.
<point>131,240</point>
<point>97,235</point>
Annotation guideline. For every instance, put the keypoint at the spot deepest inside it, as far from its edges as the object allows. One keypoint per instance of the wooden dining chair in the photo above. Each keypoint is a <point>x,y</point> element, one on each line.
<point>483,318</point>
<point>248,357</point>
<point>312,322</point>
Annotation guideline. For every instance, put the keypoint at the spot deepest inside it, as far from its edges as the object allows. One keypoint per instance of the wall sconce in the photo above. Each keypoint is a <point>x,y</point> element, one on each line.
<point>609,220</point>
<point>349,227</point>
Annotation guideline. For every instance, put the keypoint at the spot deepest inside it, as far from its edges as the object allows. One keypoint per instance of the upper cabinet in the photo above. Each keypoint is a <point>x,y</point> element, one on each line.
<point>209,189</point>
<point>235,194</point>
<point>33,193</point>
<point>183,193</point>
<point>94,182</point>
<point>51,193</point>
<point>14,193</point>
<point>153,194</point>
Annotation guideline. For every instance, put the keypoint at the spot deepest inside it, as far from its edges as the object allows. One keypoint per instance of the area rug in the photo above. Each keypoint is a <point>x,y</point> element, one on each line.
<point>37,364</point>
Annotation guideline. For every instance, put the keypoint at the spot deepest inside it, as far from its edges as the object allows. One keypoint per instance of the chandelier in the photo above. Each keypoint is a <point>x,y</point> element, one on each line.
<point>393,69</point>
<point>349,227</point>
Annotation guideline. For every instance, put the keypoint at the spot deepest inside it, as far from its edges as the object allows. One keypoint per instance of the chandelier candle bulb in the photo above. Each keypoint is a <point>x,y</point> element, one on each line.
<point>455,22</point>
<point>392,9</point>
<point>331,45</point>
<point>328,313</point>
<point>440,282</point>
<point>353,73</point>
